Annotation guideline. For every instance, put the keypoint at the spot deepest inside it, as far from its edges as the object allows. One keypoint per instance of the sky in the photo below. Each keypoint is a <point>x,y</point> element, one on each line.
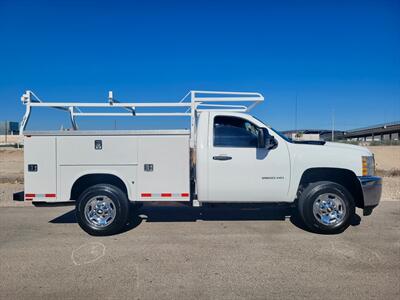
<point>339,59</point>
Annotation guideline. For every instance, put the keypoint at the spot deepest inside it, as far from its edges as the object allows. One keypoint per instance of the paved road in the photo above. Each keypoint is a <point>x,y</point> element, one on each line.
<point>226,254</point>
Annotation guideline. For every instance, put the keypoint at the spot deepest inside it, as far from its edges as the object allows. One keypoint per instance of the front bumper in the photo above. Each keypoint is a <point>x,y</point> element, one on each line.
<point>372,190</point>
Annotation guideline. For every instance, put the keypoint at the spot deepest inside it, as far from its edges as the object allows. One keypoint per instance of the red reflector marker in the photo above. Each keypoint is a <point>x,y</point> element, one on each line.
<point>50,195</point>
<point>28,199</point>
<point>185,195</point>
<point>29,196</point>
<point>146,195</point>
<point>166,195</point>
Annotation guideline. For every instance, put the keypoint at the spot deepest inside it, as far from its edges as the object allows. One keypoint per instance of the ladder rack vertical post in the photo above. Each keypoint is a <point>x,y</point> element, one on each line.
<point>26,99</point>
<point>72,117</point>
<point>192,119</point>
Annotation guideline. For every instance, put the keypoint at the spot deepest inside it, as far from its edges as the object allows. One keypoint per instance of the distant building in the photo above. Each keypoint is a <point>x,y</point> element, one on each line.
<point>9,128</point>
<point>312,134</point>
<point>386,132</point>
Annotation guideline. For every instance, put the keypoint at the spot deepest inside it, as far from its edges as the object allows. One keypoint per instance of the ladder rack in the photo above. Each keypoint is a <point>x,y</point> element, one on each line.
<point>194,101</point>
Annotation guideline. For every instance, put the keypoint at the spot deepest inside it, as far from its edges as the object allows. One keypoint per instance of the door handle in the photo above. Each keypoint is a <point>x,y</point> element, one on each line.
<point>222,157</point>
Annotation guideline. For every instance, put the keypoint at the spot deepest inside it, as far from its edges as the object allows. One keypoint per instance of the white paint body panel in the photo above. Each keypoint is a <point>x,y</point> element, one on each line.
<point>63,159</point>
<point>79,150</point>
<point>171,174</point>
<point>253,175</point>
<point>40,150</point>
<point>69,174</point>
<point>330,155</point>
<point>241,179</point>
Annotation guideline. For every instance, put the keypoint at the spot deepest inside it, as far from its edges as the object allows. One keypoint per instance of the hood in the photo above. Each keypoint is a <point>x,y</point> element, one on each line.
<point>364,150</point>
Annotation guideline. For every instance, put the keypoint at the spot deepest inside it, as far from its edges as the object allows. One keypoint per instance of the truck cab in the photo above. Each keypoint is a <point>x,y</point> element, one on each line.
<point>240,159</point>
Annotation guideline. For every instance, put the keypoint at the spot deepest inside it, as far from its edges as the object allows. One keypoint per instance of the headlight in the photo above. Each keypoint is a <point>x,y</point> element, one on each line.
<point>368,166</point>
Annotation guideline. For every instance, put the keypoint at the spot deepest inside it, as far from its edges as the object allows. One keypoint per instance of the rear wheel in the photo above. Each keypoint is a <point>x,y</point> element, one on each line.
<point>326,207</point>
<point>102,210</point>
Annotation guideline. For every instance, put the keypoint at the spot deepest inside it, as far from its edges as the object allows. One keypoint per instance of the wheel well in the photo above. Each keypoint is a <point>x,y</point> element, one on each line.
<point>83,182</point>
<point>343,177</point>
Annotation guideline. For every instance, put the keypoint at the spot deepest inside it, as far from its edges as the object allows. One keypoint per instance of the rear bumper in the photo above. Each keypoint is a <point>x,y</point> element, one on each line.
<point>372,190</point>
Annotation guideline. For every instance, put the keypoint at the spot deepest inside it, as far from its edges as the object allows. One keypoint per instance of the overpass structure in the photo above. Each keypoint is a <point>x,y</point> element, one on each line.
<point>381,132</point>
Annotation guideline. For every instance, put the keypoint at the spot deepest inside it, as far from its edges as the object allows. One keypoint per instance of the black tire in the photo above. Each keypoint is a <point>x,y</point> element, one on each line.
<point>311,193</point>
<point>119,203</point>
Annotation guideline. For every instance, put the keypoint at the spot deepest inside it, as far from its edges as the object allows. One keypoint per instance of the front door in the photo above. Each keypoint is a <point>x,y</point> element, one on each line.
<point>238,170</point>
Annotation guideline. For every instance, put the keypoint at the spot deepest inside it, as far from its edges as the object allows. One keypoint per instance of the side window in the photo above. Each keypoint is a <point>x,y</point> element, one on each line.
<point>234,132</point>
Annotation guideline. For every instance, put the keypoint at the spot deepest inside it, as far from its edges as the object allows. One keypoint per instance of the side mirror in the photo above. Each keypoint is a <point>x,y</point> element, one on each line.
<point>265,140</point>
<point>262,135</point>
<point>272,143</point>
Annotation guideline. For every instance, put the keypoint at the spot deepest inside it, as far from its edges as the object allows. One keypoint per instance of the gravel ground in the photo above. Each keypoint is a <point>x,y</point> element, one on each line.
<point>391,189</point>
<point>206,253</point>
<point>189,253</point>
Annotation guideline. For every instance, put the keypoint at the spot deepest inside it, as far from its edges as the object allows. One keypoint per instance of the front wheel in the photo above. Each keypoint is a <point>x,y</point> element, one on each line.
<point>326,207</point>
<point>102,209</point>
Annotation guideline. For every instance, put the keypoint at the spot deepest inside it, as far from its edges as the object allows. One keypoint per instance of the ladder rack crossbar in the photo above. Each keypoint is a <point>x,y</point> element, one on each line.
<point>123,105</point>
<point>130,114</point>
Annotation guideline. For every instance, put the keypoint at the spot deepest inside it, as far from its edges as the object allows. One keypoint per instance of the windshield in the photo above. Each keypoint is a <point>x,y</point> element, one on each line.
<point>287,139</point>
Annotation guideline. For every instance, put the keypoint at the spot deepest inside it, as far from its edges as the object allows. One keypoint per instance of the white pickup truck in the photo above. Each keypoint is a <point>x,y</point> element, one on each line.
<point>226,156</point>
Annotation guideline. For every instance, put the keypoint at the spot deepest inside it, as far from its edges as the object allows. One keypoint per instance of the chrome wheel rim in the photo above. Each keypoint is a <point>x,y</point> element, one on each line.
<point>100,211</point>
<point>329,209</point>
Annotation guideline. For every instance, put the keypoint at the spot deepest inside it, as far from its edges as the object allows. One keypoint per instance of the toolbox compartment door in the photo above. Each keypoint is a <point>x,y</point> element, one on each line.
<point>40,170</point>
<point>164,168</point>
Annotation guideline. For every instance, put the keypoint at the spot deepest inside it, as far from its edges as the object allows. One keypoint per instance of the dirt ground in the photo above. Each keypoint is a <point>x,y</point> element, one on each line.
<point>387,158</point>
<point>198,253</point>
<point>11,173</point>
<point>11,165</point>
<point>10,139</point>
<point>11,176</point>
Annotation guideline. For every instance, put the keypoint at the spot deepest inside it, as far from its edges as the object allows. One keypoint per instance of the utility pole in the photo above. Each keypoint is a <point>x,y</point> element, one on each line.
<point>333,125</point>
<point>5,129</point>
<point>295,115</point>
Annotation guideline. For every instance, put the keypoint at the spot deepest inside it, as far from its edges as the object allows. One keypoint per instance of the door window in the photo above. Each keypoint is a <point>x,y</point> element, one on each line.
<point>234,132</point>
